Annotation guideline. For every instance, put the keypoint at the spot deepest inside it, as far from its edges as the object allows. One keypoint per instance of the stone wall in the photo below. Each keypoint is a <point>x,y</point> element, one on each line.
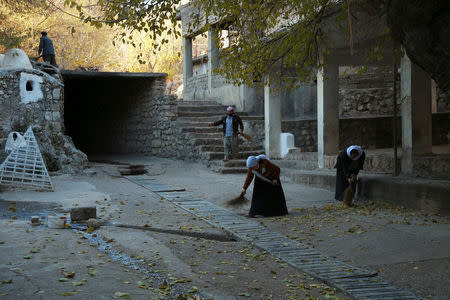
<point>305,133</point>
<point>167,139</point>
<point>255,128</point>
<point>366,102</point>
<point>30,97</point>
<point>196,88</point>
<point>442,101</point>
<point>441,129</point>
<point>370,133</point>
<point>367,93</point>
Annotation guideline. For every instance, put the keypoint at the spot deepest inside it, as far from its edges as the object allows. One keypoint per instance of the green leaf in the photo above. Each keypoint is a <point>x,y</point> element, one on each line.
<point>118,295</point>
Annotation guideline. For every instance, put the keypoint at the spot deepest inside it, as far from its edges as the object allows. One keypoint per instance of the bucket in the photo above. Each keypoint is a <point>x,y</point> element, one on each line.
<point>57,222</point>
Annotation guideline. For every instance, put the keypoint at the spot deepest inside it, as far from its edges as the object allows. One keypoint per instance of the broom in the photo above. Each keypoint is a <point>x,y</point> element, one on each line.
<point>247,137</point>
<point>236,202</point>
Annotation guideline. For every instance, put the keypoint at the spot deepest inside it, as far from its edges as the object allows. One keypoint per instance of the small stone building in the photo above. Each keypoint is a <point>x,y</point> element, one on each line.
<point>34,96</point>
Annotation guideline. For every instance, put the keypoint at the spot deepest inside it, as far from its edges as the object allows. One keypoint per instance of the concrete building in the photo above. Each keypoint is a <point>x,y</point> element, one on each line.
<point>338,110</point>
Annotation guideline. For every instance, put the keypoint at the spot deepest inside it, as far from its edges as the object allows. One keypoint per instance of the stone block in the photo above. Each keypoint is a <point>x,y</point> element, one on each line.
<point>94,223</point>
<point>83,213</point>
<point>48,116</point>
<point>56,94</point>
<point>156,143</point>
<point>56,115</point>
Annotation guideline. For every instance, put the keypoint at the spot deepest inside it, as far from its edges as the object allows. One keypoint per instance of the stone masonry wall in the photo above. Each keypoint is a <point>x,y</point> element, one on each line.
<point>167,138</point>
<point>370,133</point>
<point>196,88</point>
<point>368,93</point>
<point>30,97</point>
<point>443,101</point>
<point>305,133</point>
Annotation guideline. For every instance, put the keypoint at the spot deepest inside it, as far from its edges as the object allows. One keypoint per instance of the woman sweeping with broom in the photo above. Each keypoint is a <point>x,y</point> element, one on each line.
<point>268,196</point>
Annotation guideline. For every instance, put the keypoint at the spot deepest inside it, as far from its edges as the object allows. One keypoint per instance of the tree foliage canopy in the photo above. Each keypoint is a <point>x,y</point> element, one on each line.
<point>81,42</point>
<point>280,37</point>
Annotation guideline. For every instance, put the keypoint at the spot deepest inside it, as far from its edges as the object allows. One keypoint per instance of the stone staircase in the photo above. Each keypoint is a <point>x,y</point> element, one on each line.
<point>207,142</point>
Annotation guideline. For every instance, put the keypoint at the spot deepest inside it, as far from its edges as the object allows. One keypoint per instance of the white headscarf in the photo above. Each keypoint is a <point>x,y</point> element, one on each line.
<point>252,161</point>
<point>262,156</point>
<point>357,148</point>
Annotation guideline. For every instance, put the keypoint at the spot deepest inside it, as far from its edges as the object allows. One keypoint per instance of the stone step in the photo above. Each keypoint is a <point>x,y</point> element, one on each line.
<point>203,108</point>
<point>231,170</point>
<point>318,178</point>
<point>216,114</point>
<point>208,141</point>
<point>297,154</point>
<point>219,148</point>
<point>202,129</point>
<point>206,135</point>
<point>184,124</point>
<point>232,163</point>
<point>209,119</point>
<point>221,155</point>
<point>297,164</point>
<point>196,103</point>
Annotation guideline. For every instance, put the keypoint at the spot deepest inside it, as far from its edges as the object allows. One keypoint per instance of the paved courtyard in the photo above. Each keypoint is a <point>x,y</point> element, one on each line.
<point>153,247</point>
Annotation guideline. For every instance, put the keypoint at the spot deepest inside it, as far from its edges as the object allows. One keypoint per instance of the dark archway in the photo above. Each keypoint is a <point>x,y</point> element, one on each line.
<point>104,111</point>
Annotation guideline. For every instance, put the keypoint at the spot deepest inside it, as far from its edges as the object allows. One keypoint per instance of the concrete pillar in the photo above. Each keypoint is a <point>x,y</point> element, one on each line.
<point>213,55</point>
<point>416,113</point>
<point>327,112</point>
<point>272,122</point>
<point>433,96</point>
<point>187,59</point>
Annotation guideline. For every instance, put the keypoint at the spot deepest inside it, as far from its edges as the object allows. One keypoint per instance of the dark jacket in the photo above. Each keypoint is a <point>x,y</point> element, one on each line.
<point>237,122</point>
<point>46,46</point>
<point>343,172</point>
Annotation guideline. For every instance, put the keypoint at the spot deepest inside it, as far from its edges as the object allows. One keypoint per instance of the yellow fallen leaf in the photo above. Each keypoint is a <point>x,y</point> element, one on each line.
<point>63,279</point>
<point>90,230</point>
<point>68,293</point>
<point>77,283</point>
<point>183,280</point>
<point>68,274</point>
<point>6,281</point>
<point>121,295</point>
<point>93,272</point>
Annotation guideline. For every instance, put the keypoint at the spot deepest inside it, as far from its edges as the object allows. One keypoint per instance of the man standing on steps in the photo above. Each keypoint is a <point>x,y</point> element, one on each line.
<point>231,123</point>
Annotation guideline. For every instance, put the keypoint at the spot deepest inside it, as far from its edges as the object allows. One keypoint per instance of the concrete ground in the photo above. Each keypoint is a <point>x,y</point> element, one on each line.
<point>406,247</point>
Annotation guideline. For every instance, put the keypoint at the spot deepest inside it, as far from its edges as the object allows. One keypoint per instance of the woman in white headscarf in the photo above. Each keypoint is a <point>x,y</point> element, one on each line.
<point>268,196</point>
<point>348,165</point>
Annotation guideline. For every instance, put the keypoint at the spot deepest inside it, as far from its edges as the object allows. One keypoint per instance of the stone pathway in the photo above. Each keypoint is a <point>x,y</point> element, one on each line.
<point>356,282</point>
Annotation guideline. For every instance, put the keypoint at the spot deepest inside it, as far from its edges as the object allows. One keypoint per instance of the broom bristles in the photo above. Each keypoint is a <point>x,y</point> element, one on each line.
<point>247,137</point>
<point>238,201</point>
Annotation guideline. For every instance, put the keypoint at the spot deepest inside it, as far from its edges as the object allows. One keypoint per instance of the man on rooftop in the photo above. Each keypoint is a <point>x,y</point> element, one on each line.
<point>47,49</point>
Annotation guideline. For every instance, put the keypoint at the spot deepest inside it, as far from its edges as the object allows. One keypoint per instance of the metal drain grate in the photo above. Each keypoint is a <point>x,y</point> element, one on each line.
<point>356,282</point>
